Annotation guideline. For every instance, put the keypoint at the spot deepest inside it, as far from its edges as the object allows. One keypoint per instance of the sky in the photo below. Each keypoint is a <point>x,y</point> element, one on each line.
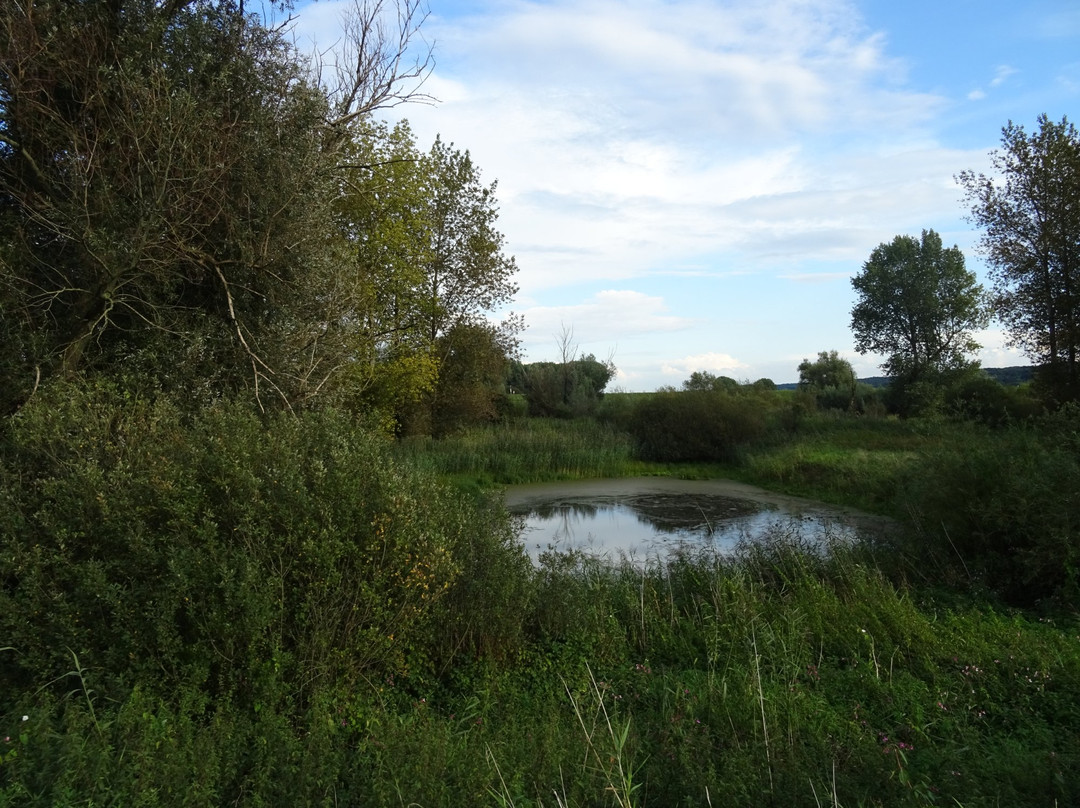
<point>689,185</point>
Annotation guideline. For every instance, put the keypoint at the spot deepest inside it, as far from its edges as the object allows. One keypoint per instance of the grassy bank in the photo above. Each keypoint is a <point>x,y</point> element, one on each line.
<point>777,678</point>
<point>526,450</point>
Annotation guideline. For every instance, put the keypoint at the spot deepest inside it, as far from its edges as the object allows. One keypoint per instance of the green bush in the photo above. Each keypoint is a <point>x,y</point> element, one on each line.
<point>260,559</point>
<point>1004,503</point>
<point>979,397</point>
<point>691,426</point>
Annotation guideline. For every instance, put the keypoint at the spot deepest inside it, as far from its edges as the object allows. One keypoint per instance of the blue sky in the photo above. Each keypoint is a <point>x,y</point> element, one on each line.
<point>690,184</point>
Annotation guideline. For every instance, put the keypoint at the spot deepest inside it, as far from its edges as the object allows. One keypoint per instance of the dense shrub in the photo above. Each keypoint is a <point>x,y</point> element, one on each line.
<point>237,556</point>
<point>1005,503</point>
<point>696,426</point>
<point>979,397</point>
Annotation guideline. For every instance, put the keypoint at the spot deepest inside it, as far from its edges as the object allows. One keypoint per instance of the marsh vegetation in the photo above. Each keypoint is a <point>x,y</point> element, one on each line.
<point>223,608</point>
<point>256,425</point>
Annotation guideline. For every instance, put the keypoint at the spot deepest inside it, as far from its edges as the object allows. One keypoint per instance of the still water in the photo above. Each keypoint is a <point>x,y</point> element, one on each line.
<point>648,516</point>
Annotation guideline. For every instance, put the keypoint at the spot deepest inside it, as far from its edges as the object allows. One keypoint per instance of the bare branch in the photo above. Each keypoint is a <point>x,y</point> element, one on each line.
<point>381,64</point>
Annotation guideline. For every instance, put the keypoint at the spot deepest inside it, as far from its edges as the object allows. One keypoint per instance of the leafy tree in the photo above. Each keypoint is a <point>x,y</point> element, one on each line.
<point>562,389</point>
<point>1031,238</point>
<point>704,381</point>
<point>917,305</point>
<point>830,379</point>
<point>467,272</point>
<point>697,425</point>
<point>828,370</point>
<point>381,219</point>
<point>472,377</point>
<point>165,170</point>
<point>426,263</point>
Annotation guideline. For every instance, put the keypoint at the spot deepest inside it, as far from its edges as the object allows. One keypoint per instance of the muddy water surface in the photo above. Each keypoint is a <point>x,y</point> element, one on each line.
<point>648,516</point>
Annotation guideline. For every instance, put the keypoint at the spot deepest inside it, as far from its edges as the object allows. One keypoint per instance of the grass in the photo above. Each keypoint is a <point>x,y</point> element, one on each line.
<point>522,451</point>
<point>843,460</point>
<point>781,677</point>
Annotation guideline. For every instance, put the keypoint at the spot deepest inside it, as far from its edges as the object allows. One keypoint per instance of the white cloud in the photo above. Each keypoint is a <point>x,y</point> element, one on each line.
<point>636,139</point>
<point>598,324</point>
<point>1001,75</point>
<point>711,362</point>
<point>996,352</point>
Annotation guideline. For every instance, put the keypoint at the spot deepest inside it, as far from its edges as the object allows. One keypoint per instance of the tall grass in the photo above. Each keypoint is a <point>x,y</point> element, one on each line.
<point>778,677</point>
<point>527,451</point>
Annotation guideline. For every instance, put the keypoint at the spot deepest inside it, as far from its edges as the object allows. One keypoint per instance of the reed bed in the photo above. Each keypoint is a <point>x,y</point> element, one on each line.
<point>520,451</point>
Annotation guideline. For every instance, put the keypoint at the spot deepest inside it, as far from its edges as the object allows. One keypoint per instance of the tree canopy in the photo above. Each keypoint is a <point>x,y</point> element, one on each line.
<point>186,202</point>
<point>1030,219</point>
<point>828,370</point>
<point>917,305</point>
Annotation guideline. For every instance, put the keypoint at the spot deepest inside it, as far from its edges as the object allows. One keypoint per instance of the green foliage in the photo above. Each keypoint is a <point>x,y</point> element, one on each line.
<point>186,206</point>
<point>830,379</point>
<point>1031,228</point>
<point>426,261</point>
<point>917,305</point>
<point>696,426</point>
<point>164,189</point>
<point>1003,505</point>
<point>522,451</point>
<point>976,396</point>
<point>828,370</point>
<point>703,381</point>
<point>263,562</point>
<point>569,389</point>
<point>780,675</point>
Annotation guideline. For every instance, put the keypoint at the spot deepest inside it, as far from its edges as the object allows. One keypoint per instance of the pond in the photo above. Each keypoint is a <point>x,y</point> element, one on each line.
<point>644,517</point>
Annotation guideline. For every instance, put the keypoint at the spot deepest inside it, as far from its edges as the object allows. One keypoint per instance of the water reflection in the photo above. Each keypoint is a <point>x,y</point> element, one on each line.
<point>646,517</point>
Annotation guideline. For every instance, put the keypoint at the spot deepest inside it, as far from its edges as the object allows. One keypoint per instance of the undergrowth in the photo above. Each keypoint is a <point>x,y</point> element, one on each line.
<point>781,676</point>
<point>236,609</point>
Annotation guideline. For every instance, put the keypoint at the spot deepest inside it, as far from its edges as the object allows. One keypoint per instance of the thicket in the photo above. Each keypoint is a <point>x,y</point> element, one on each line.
<point>691,426</point>
<point>267,562</point>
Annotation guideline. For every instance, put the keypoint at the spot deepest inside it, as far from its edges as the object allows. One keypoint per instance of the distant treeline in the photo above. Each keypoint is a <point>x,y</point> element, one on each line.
<point>1010,377</point>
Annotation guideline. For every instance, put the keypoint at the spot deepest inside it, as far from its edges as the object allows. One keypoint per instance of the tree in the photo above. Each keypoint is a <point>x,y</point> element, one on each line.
<point>704,381</point>
<point>917,305</point>
<point>569,388</point>
<point>828,370</point>
<point>165,174</point>
<point>467,272</point>
<point>425,262</point>
<point>1030,219</point>
<point>472,377</point>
